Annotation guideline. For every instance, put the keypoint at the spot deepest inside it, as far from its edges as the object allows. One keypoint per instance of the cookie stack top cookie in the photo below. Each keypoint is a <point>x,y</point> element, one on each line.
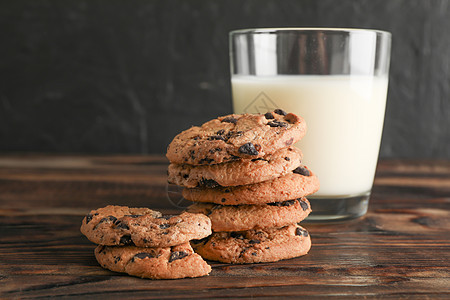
<point>235,136</point>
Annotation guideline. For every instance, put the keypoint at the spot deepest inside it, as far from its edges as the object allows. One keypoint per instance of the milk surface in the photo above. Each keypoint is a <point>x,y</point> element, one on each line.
<point>344,115</point>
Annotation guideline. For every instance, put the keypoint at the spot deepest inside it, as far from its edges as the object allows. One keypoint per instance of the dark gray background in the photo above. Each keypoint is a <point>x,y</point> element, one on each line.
<point>125,76</point>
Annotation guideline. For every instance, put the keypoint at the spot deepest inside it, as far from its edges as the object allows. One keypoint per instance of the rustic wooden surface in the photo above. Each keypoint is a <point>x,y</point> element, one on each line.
<point>401,249</point>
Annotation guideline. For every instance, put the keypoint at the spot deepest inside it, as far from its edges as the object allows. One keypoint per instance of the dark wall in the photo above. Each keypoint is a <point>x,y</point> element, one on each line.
<point>126,76</point>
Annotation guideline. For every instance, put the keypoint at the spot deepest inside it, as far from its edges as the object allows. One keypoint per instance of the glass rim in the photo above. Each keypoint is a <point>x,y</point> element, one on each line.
<point>274,30</point>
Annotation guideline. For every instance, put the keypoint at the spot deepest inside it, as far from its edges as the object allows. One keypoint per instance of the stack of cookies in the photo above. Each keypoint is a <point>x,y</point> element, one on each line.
<point>144,243</point>
<point>244,173</point>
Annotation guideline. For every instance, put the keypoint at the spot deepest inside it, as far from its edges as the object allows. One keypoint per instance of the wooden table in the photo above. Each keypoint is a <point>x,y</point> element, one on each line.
<point>400,249</point>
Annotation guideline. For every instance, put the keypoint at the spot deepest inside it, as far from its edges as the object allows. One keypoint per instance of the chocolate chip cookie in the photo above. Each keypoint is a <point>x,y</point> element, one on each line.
<point>155,263</point>
<point>247,217</point>
<point>121,225</point>
<point>236,136</point>
<point>297,184</point>
<point>254,246</point>
<point>239,172</point>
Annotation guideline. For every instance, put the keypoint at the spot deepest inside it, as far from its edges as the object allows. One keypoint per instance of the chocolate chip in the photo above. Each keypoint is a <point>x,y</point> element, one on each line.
<point>277,123</point>
<point>289,142</point>
<point>88,218</point>
<point>230,120</point>
<point>232,134</point>
<point>143,255</point>
<point>112,218</point>
<point>186,176</point>
<point>303,204</point>
<point>102,220</point>
<point>215,150</point>
<point>302,171</point>
<point>223,200</point>
<point>251,242</point>
<point>216,137</point>
<point>116,259</point>
<point>220,132</point>
<point>248,148</point>
<point>227,191</point>
<point>269,116</point>
<point>191,154</point>
<point>236,235</point>
<point>254,253</point>
<point>299,231</point>
<point>287,159</point>
<point>164,226</point>
<point>122,225</point>
<point>101,249</point>
<point>206,160</point>
<point>195,137</point>
<point>209,183</point>
<point>280,112</point>
<point>177,255</point>
<point>165,233</point>
<point>126,240</point>
<point>242,252</point>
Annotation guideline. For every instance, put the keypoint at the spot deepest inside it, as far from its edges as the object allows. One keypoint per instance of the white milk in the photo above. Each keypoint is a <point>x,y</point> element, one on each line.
<point>344,116</point>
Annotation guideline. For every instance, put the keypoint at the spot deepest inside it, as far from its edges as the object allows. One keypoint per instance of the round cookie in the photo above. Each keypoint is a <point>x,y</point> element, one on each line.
<point>121,225</point>
<point>297,184</point>
<point>155,263</point>
<point>239,172</point>
<point>255,246</point>
<point>248,217</point>
<point>235,136</point>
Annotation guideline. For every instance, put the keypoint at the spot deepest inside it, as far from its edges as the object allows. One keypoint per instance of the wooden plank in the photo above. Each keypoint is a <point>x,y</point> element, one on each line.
<point>400,249</point>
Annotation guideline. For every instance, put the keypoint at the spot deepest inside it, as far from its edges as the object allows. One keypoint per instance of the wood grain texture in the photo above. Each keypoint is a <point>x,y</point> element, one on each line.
<point>401,249</point>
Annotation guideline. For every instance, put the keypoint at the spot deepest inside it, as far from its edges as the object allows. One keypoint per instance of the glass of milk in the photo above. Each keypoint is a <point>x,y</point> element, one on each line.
<point>337,80</point>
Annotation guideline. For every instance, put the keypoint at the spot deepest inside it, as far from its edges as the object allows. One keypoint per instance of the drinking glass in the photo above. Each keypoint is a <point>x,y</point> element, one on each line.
<point>337,80</point>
